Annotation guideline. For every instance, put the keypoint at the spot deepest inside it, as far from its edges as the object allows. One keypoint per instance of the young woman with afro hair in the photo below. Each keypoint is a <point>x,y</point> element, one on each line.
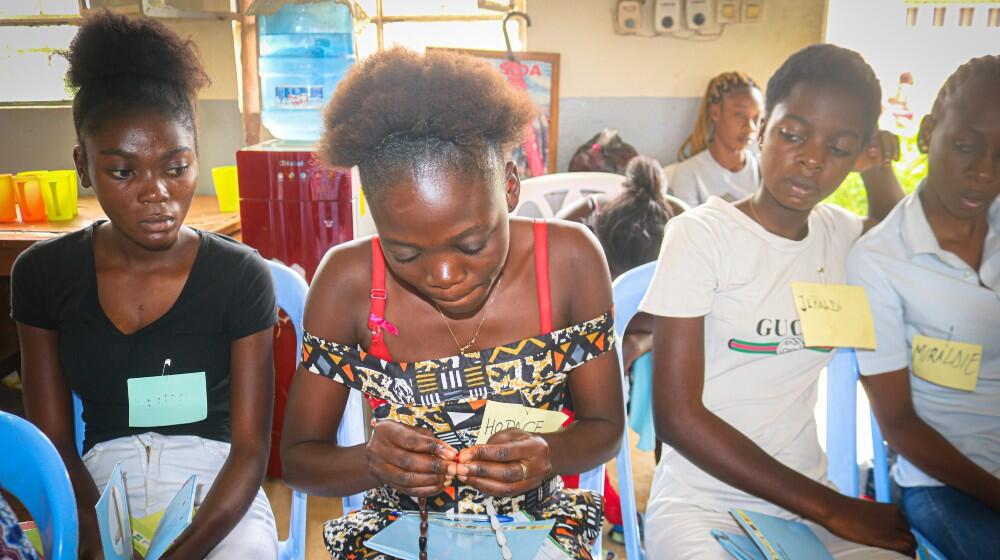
<point>454,305</point>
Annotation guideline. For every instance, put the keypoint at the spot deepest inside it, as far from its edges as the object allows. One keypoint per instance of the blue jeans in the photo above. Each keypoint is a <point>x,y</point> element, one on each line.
<point>960,526</point>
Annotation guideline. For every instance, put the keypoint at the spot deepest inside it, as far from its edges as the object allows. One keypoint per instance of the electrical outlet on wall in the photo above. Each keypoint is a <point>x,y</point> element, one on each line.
<point>699,14</point>
<point>668,16</point>
<point>728,12</point>
<point>753,11</point>
<point>628,16</point>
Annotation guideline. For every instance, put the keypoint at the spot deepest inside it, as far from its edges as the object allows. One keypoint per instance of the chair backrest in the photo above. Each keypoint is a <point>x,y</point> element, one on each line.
<point>627,291</point>
<point>290,291</point>
<point>352,432</point>
<point>32,470</point>
<point>841,421</point>
<point>841,443</point>
<point>544,196</point>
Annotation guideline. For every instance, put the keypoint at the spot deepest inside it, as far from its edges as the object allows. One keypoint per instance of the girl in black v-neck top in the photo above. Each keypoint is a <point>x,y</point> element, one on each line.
<point>117,309</point>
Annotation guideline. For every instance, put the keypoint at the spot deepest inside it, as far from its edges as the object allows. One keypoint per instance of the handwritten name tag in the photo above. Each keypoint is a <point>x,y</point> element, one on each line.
<point>948,363</point>
<point>500,416</point>
<point>834,315</point>
<point>167,400</point>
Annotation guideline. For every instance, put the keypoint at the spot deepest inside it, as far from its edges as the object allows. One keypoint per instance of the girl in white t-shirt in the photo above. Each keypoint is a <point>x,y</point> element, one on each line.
<point>734,385</point>
<point>716,159</point>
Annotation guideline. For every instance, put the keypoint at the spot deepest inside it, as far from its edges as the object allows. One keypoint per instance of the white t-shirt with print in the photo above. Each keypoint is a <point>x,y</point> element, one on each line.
<point>718,263</point>
<point>699,177</point>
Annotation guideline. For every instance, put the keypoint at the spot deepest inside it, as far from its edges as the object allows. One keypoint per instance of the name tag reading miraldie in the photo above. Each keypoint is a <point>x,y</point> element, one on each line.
<point>948,363</point>
<point>167,400</point>
<point>834,315</point>
<point>500,416</point>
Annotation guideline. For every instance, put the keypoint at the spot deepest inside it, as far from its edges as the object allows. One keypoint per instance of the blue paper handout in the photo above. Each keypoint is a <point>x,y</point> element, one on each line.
<point>773,538</point>
<point>459,538</point>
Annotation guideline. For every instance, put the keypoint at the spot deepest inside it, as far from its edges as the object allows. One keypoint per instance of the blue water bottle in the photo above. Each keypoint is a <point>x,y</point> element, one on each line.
<point>305,49</point>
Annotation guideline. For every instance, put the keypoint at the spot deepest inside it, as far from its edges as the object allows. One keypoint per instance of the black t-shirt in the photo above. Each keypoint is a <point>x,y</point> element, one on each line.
<point>228,295</point>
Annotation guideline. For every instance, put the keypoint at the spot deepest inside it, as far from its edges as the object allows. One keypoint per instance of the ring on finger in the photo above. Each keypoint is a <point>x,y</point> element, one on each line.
<point>524,470</point>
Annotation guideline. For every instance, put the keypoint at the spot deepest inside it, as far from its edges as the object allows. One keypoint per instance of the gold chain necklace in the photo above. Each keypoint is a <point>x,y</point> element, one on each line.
<point>486,313</point>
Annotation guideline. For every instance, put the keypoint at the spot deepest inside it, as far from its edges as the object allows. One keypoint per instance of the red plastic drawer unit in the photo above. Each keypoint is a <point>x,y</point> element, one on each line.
<point>293,209</point>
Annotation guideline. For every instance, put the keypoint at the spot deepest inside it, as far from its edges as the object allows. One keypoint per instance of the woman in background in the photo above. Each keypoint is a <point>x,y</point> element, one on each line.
<point>716,159</point>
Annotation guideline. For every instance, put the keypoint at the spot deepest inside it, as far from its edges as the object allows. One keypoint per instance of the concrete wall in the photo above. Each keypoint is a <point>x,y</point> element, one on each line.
<point>649,87</point>
<point>43,137</point>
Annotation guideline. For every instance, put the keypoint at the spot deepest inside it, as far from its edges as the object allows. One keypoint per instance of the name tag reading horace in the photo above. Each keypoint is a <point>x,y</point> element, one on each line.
<point>834,315</point>
<point>500,416</point>
<point>948,363</point>
<point>167,400</point>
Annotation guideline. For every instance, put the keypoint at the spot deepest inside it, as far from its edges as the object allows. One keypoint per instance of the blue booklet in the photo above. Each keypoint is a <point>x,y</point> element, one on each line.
<point>118,537</point>
<point>460,537</point>
<point>770,538</point>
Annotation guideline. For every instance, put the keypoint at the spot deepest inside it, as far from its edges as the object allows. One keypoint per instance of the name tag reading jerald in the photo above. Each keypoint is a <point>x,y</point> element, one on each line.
<point>167,400</point>
<point>948,363</point>
<point>500,416</point>
<point>834,315</point>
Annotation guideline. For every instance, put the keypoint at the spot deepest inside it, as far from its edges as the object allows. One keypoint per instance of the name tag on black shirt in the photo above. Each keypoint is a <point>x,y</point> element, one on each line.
<point>167,400</point>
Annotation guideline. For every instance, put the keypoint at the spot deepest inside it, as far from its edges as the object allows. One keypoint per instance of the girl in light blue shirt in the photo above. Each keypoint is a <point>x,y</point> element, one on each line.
<point>932,273</point>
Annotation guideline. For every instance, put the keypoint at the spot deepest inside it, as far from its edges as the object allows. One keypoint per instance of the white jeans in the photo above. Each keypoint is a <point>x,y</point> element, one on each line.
<point>681,531</point>
<point>155,467</point>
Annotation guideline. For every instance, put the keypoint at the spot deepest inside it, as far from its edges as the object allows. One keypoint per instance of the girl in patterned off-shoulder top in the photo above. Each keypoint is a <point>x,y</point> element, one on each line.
<point>454,304</point>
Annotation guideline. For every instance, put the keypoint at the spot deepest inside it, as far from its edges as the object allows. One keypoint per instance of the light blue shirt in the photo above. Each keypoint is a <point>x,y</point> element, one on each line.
<point>917,288</point>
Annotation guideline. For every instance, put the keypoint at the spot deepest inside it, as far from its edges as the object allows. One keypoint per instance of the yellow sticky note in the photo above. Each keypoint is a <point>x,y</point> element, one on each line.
<point>500,416</point>
<point>834,315</point>
<point>946,362</point>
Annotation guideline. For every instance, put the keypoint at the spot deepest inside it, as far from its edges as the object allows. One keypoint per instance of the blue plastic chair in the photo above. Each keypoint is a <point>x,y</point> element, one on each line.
<point>290,290</point>
<point>33,471</point>
<point>841,440</point>
<point>627,291</point>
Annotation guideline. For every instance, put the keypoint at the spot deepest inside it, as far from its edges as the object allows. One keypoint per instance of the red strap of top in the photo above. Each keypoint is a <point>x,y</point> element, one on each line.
<point>376,316</point>
<point>542,275</point>
<point>378,297</point>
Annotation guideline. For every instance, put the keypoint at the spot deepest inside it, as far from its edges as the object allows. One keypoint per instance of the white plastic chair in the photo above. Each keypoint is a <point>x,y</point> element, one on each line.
<point>544,196</point>
<point>352,432</point>
<point>841,440</point>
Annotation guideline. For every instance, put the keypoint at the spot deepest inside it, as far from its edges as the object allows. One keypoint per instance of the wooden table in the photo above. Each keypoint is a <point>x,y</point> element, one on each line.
<point>15,237</point>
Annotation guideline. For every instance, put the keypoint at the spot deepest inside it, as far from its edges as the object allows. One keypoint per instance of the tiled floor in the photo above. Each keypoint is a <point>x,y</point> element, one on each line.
<point>321,509</point>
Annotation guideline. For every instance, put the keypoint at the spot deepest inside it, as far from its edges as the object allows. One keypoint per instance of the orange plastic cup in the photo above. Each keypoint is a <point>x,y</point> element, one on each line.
<point>28,191</point>
<point>8,201</point>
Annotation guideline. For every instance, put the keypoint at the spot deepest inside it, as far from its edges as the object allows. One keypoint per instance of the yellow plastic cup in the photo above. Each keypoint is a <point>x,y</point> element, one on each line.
<point>8,200</point>
<point>227,188</point>
<point>58,196</point>
<point>74,188</point>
